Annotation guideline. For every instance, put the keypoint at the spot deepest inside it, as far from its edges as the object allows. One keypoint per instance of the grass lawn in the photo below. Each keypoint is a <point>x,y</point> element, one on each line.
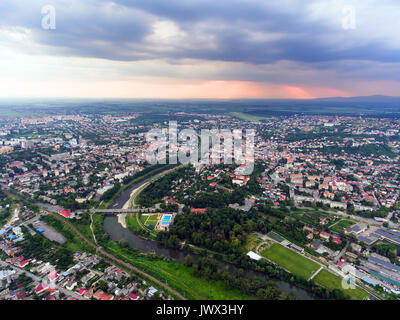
<point>330,281</point>
<point>5,215</point>
<point>135,227</point>
<point>251,241</point>
<point>291,261</point>
<point>341,225</point>
<point>74,243</point>
<point>132,223</point>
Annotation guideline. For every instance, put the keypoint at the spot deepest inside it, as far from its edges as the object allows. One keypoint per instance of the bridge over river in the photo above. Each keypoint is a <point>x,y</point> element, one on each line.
<point>118,211</point>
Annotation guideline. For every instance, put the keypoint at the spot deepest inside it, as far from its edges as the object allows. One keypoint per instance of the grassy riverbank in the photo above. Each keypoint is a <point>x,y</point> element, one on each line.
<point>178,276</point>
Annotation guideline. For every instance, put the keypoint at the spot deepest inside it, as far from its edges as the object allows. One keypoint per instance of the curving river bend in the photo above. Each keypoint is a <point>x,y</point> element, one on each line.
<point>118,232</point>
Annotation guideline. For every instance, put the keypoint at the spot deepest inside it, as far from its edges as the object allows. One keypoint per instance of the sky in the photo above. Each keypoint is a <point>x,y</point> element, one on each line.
<point>214,49</point>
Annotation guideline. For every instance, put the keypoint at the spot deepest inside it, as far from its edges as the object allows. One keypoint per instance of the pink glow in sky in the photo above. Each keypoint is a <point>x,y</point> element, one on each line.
<point>164,89</point>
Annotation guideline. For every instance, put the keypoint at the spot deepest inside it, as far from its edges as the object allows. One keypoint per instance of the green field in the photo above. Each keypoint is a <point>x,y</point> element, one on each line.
<point>132,223</point>
<point>180,277</point>
<point>329,281</point>
<point>251,241</point>
<point>291,261</point>
<point>248,117</point>
<point>341,225</point>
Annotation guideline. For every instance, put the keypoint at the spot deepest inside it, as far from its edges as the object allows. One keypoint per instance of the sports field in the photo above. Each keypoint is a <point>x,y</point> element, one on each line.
<point>275,236</point>
<point>291,261</point>
<point>330,281</point>
<point>148,220</point>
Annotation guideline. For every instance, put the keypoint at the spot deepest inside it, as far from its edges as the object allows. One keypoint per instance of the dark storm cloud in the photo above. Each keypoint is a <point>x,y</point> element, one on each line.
<point>119,30</point>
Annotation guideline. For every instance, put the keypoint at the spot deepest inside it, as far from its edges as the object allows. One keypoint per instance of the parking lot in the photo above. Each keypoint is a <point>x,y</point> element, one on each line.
<point>49,232</point>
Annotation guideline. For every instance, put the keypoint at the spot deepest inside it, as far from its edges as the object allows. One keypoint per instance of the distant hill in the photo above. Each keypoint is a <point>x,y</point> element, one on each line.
<point>374,98</point>
<point>154,110</point>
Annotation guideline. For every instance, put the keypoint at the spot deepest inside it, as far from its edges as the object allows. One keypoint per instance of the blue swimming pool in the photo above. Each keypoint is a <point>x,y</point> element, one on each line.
<point>165,220</point>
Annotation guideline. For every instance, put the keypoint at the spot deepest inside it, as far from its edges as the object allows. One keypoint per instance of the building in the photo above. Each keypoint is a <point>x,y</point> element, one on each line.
<point>254,256</point>
<point>296,248</point>
<point>325,235</point>
<point>42,287</point>
<point>357,228</point>
<point>152,291</point>
<point>65,213</point>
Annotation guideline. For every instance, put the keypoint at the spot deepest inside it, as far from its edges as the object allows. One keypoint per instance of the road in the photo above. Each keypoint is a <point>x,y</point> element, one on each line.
<point>357,218</point>
<point>341,253</point>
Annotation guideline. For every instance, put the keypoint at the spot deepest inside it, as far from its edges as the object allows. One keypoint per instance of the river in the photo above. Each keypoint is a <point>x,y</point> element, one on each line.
<point>117,232</point>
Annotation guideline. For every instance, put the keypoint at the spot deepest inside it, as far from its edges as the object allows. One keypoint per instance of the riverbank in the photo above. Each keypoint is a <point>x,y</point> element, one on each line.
<point>123,194</point>
<point>119,228</point>
<point>131,202</point>
<point>118,234</point>
<point>69,229</point>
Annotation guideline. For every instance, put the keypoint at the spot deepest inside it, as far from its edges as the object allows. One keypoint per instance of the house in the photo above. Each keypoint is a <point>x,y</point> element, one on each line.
<point>337,240</point>
<point>325,235</point>
<point>24,263</point>
<point>98,294</point>
<point>133,296</point>
<point>81,292</point>
<point>106,297</point>
<point>351,255</point>
<point>71,284</point>
<point>42,287</point>
<point>52,275</point>
<point>152,291</point>
<point>88,294</point>
<point>310,184</point>
<point>21,295</point>
<point>356,247</point>
<point>306,228</point>
<point>65,213</point>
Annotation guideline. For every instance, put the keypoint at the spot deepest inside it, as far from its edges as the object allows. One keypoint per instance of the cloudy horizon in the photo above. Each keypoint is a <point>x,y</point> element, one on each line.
<point>183,49</point>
